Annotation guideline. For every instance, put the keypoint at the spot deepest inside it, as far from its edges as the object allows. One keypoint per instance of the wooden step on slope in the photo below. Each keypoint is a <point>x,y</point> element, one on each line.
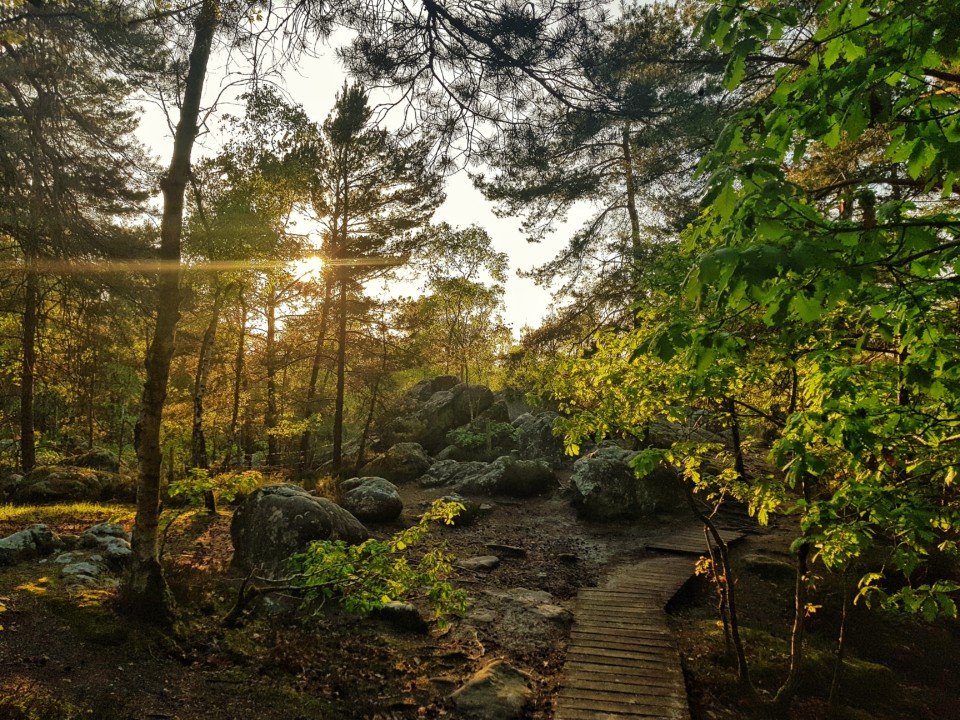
<point>622,661</point>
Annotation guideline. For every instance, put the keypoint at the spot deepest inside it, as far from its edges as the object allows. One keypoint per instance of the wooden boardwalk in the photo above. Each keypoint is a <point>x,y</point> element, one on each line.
<point>622,660</point>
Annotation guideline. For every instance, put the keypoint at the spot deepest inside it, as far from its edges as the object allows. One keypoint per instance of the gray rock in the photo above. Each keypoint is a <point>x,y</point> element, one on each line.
<point>536,440</point>
<point>116,550</point>
<point>422,391</point>
<point>450,472</point>
<point>508,475</point>
<point>36,541</point>
<point>769,568</point>
<point>64,483</point>
<point>605,487</point>
<point>84,572</point>
<point>98,459</point>
<point>371,499</point>
<point>497,691</point>
<point>523,596</point>
<point>480,563</point>
<point>103,530</point>
<point>449,409</point>
<point>109,539</point>
<point>404,616</point>
<point>659,491</point>
<point>662,434</point>
<point>277,521</point>
<point>401,463</point>
<point>470,512</point>
<point>554,613</point>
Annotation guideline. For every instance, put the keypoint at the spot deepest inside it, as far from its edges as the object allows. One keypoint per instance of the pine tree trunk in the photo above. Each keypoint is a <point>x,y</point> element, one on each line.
<point>198,442</point>
<point>144,589</point>
<point>28,449</point>
<point>636,248</point>
<point>235,440</point>
<point>309,406</point>
<point>341,380</point>
<point>270,417</point>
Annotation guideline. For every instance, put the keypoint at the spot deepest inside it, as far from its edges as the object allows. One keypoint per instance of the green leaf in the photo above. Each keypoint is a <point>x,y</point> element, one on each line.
<point>807,307</point>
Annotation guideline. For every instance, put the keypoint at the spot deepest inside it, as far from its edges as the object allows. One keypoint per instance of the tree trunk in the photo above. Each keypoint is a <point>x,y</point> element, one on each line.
<point>237,383</point>
<point>309,406</point>
<point>341,380</point>
<point>374,396</point>
<point>198,443</point>
<point>270,417</point>
<point>28,448</point>
<point>144,589</point>
<point>636,248</point>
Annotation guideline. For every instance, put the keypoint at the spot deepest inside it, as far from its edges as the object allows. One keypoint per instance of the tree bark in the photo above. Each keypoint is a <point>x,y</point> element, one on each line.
<point>237,382</point>
<point>198,442</point>
<point>341,380</point>
<point>636,249</point>
<point>309,406</point>
<point>28,448</point>
<point>144,589</point>
<point>270,417</point>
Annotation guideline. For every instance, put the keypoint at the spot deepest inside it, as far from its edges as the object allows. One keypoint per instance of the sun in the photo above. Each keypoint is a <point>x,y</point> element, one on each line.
<point>310,267</point>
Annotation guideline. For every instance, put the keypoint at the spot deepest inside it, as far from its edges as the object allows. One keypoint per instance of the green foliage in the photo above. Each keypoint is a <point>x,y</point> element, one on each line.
<point>822,299</point>
<point>365,577</point>
<point>480,435</point>
<point>226,487</point>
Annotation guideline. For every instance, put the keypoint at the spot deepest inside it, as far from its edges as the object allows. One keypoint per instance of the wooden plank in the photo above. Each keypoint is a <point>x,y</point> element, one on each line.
<point>583,684</point>
<point>649,678</point>
<point>623,711</point>
<point>610,699</point>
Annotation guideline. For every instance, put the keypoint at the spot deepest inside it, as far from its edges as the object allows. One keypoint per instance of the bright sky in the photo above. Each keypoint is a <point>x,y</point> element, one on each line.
<point>314,83</point>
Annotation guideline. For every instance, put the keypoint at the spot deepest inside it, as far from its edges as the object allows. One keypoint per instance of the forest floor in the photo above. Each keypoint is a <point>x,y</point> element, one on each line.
<point>66,653</point>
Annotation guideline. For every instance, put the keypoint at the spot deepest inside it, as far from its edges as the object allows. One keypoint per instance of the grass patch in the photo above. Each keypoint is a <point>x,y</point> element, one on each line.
<point>60,513</point>
<point>87,616</point>
<point>26,701</point>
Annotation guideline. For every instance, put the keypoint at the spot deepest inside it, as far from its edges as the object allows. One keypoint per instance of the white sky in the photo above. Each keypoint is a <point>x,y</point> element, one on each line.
<point>313,83</point>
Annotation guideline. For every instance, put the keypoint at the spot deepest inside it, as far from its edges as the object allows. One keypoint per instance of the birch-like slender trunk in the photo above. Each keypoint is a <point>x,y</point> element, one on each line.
<point>144,589</point>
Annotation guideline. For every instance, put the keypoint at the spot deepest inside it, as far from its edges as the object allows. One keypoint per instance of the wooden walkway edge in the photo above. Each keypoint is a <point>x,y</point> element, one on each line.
<point>622,660</point>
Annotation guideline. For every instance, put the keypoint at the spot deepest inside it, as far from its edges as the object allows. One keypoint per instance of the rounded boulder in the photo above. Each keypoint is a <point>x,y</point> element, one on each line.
<point>371,499</point>
<point>277,521</point>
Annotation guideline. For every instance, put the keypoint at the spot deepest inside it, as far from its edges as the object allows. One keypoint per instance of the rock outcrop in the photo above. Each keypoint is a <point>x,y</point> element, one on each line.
<point>371,499</point>
<point>401,463</point>
<point>34,542</point>
<point>277,521</point>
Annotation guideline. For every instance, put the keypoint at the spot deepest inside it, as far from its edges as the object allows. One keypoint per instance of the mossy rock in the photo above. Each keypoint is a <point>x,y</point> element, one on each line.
<point>56,483</point>
<point>769,568</point>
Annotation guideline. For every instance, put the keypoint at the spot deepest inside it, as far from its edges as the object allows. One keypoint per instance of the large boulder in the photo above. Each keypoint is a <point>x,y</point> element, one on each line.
<point>371,499</point>
<point>58,483</point>
<point>444,473</point>
<point>536,440</point>
<point>277,521</point>
<point>401,463</point>
<point>511,476</point>
<point>97,459</point>
<point>110,540</point>
<point>497,691</point>
<point>36,541</point>
<point>485,438</point>
<point>662,434</point>
<point>422,391</point>
<point>449,409</point>
<point>605,487</point>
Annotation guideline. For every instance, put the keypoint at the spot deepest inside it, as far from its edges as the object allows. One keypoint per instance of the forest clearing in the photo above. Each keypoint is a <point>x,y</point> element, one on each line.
<point>274,443</point>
